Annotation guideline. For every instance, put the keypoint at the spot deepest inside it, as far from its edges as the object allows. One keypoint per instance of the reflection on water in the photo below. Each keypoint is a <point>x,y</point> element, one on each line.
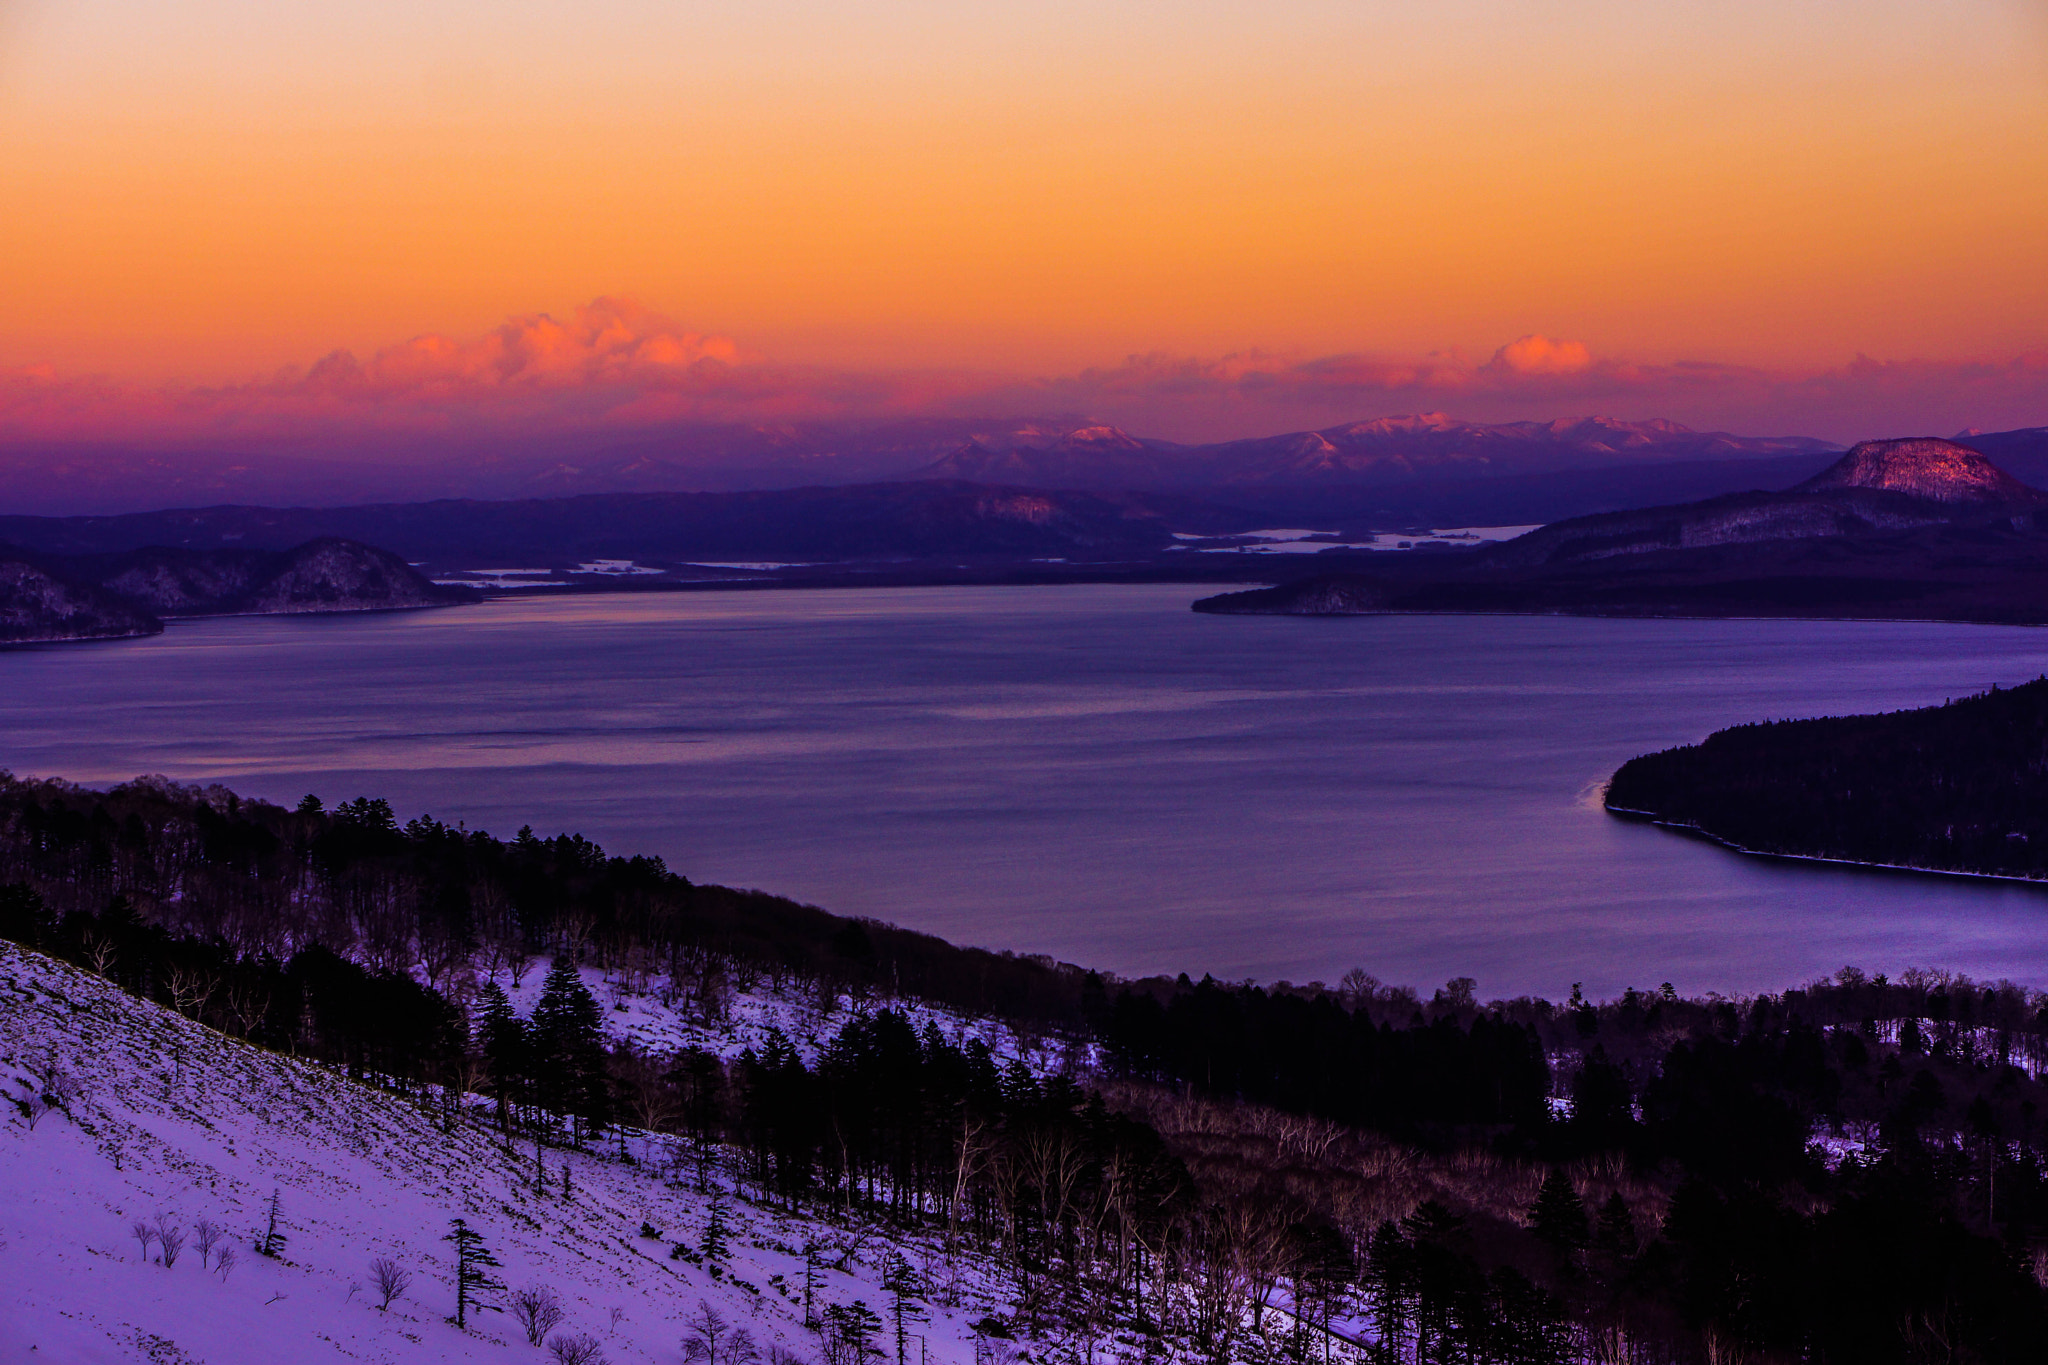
<point>1094,772</point>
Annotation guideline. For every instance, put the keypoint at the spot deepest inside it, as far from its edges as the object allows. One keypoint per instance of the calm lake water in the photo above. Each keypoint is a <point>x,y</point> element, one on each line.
<point>1093,772</point>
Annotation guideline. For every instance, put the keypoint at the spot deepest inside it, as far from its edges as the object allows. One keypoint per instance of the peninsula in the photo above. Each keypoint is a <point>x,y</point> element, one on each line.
<point>1959,787</point>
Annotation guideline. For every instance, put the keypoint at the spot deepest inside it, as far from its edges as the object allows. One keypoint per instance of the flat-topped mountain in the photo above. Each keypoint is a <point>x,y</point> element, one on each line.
<point>1924,467</point>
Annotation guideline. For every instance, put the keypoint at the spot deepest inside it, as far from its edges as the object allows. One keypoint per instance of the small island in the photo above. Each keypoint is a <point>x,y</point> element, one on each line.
<point>1961,787</point>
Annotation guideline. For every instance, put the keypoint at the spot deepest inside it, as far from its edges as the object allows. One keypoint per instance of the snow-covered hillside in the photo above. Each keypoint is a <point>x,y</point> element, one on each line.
<point>171,1122</point>
<point>667,1021</point>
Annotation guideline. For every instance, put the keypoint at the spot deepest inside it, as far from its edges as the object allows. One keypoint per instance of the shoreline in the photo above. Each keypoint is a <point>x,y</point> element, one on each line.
<point>1108,579</point>
<point>1697,831</point>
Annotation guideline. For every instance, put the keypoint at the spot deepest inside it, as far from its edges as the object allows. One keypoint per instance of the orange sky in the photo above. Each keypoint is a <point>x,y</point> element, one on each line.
<point>211,190</point>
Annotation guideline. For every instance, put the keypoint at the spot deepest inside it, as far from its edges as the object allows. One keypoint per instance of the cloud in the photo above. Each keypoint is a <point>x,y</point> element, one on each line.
<point>616,367</point>
<point>610,344</point>
<point>1535,354</point>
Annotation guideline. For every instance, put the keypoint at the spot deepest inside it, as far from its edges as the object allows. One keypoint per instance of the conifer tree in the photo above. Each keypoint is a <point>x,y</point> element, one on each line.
<point>473,1263</point>
<point>568,1046</point>
<point>903,1285</point>
<point>713,1242</point>
<point>1616,1234</point>
<point>501,1037</point>
<point>1559,1215</point>
<point>850,1331</point>
<point>273,1241</point>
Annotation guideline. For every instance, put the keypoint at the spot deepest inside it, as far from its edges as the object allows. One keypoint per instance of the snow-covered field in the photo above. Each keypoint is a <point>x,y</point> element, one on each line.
<point>172,1122</point>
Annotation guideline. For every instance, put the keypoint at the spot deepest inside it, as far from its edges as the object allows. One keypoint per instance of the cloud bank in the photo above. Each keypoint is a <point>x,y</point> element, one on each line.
<point>617,368</point>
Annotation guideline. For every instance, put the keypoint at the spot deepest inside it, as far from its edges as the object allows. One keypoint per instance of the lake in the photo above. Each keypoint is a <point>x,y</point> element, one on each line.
<point>1093,772</point>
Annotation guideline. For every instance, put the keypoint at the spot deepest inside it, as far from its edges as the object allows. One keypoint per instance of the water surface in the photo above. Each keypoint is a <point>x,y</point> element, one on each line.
<point>1093,772</point>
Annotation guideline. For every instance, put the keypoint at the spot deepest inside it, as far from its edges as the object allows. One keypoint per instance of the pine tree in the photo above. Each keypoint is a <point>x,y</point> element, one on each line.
<point>273,1241</point>
<point>903,1285</point>
<point>1559,1215</point>
<point>810,1281</point>
<point>501,1037</point>
<point>1616,1234</point>
<point>568,1046</point>
<point>850,1331</point>
<point>713,1242</point>
<point>473,1262</point>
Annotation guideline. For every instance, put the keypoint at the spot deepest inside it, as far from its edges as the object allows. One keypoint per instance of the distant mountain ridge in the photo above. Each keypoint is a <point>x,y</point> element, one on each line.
<point>1383,450</point>
<point>868,521</point>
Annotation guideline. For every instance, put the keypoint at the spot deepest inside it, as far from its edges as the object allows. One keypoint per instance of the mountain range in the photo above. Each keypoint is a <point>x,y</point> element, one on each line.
<point>1417,470</point>
<point>1383,451</point>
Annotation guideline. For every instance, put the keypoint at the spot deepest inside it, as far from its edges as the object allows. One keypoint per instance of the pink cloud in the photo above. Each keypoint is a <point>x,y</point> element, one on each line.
<point>1535,354</point>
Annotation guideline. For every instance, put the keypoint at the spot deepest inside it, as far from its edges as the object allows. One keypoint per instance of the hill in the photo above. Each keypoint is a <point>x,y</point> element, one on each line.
<point>85,597</point>
<point>37,605</point>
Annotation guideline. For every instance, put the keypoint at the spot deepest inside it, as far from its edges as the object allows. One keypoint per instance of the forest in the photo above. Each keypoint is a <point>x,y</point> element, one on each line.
<point>1960,787</point>
<point>1848,1171</point>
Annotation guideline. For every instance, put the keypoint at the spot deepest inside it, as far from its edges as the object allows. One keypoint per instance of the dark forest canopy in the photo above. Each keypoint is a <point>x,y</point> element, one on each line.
<point>1960,787</point>
<point>1849,1171</point>
<point>432,899</point>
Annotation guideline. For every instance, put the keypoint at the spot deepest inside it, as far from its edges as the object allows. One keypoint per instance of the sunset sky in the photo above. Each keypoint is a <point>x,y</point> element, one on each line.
<point>937,200</point>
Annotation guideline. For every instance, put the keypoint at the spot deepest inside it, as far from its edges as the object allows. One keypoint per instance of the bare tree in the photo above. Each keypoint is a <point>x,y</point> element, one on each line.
<point>709,1338</point>
<point>205,1233</point>
<point>170,1240</point>
<point>247,1003</point>
<point>224,1260</point>
<point>54,1088</point>
<point>652,1101</point>
<point>577,1350</point>
<point>389,1279</point>
<point>191,988</point>
<point>143,1233</point>
<point>538,1310</point>
<point>99,953</point>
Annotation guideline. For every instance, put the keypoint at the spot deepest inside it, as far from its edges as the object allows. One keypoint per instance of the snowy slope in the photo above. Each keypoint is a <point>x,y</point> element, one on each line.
<point>639,1015</point>
<point>175,1119</point>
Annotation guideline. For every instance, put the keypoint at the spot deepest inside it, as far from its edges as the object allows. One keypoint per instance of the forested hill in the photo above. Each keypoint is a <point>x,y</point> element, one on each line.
<point>1960,787</point>
<point>437,902</point>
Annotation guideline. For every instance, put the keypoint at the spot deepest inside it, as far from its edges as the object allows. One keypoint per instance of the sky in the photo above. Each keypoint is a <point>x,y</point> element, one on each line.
<point>1205,217</point>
